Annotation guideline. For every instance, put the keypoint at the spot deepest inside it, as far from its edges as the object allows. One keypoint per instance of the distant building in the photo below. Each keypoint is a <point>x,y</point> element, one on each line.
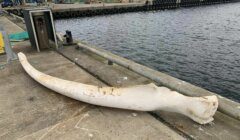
<point>98,1</point>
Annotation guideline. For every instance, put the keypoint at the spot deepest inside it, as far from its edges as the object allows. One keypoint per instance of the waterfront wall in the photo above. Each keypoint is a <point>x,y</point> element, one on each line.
<point>148,6</point>
<point>92,10</point>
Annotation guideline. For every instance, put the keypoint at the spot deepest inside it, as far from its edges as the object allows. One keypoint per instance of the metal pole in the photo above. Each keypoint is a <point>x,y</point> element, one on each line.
<point>8,49</point>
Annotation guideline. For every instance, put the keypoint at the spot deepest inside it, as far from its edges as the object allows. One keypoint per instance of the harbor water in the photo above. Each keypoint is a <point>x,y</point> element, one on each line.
<point>200,45</point>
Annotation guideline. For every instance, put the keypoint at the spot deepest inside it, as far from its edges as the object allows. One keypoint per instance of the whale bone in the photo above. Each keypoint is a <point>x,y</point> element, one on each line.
<point>147,97</point>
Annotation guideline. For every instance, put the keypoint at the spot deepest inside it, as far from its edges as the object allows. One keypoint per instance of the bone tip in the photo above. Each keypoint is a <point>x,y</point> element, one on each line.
<point>205,108</point>
<point>21,56</point>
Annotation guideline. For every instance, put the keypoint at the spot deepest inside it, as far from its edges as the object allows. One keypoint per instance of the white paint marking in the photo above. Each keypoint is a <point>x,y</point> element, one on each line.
<point>90,135</point>
<point>48,131</point>
<point>134,114</point>
<point>84,116</point>
<point>200,128</point>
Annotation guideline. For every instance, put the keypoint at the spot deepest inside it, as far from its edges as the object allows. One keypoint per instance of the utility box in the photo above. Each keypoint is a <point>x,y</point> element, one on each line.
<point>41,29</point>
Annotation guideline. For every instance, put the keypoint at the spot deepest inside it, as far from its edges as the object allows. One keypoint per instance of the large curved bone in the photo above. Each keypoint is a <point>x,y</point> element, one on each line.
<point>141,97</point>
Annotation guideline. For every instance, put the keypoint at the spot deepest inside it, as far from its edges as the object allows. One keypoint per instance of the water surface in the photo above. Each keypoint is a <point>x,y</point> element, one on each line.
<point>200,45</point>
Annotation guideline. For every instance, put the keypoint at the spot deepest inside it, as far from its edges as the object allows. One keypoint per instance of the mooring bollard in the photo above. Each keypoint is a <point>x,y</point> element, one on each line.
<point>110,62</point>
<point>68,36</point>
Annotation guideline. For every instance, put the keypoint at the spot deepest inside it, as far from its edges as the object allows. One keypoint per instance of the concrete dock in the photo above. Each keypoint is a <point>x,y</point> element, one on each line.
<point>28,110</point>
